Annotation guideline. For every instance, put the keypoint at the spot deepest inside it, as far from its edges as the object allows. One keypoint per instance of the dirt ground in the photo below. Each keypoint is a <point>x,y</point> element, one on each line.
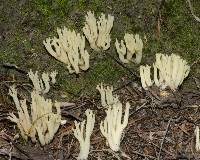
<point>160,127</point>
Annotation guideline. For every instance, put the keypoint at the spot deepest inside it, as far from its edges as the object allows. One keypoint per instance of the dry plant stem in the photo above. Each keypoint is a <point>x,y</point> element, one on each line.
<point>15,67</point>
<point>192,11</point>
<point>138,108</point>
<point>135,75</point>
<point>143,155</point>
<point>107,150</point>
<point>195,62</point>
<point>159,18</point>
<point>123,86</point>
<point>163,140</point>
<point>66,132</point>
<point>10,140</point>
<point>5,152</point>
<point>197,82</point>
<point>164,150</point>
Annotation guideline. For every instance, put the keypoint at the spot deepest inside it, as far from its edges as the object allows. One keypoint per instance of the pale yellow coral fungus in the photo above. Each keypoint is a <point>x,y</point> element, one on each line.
<point>97,32</point>
<point>69,48</point>
<point>40,121</point>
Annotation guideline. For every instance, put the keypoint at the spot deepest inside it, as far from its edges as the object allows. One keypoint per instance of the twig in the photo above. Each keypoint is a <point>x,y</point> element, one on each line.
<point>10,140</point>
<point>161,5</point>
<point>67,114</point>
<point>5,152</point>
<point>73,107</point>
<point>13,66</point>
<point>10,151</point>
<point>135,75</point>
<point>107,150</point>
<point>197,81</point>
<point>66,104</point>
<point>195,62</point>
<point>60,154</point>
<point>122,86</point>
<point>143,155</point>
<point>163,140</point>
<point>192,11</point>
<point>164,150</point>
<point>127,151</point>
<point>123,154</point>
<point>138,108</point>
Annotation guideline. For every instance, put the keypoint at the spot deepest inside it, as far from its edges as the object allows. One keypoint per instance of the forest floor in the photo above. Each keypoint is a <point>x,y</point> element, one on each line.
<point>160,127</point>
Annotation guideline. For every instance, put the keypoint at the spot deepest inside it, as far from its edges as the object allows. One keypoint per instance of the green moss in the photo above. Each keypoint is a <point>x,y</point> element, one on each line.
<point>104,71</point>
<point>181,31</point>
<point>25,26</point>
<point>47,8</point>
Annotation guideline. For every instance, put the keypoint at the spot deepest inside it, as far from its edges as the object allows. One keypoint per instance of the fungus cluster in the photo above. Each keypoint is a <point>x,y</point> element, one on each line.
<point>112,126</point>
<point>131,48</point>
<point>69,48</point>
<point>98,31</point>
<point>44,117</point>
<point>169,71</point>
<point>41,120</point>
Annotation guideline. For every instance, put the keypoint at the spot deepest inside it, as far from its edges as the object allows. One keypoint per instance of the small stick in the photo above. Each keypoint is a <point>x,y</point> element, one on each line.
<point>13,66</point>
<point>163,140</point>
<point>192,11</point>
<point>123,86</point>
<point>143,155</point>
<point>135,75</point>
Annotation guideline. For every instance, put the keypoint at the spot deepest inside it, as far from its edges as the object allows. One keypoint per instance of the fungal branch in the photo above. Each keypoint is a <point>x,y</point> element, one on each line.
<point>69,48</point>
<point>98,31</point>
<point>82,132</point>
<point>112,127</point>
<point>169,71</point>
<point>133,46</point>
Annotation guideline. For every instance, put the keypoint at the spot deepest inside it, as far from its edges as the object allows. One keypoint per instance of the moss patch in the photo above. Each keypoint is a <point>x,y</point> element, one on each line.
<point>26,24</point>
